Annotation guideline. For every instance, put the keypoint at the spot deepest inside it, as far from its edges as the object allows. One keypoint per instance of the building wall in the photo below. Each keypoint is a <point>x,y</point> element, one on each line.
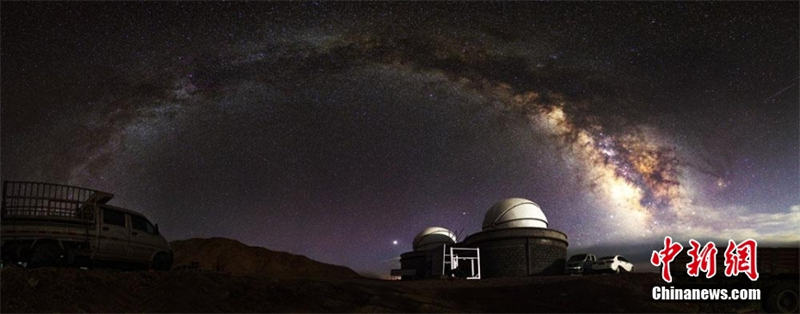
<point>427,263</point>
<point>414,260</point>
<point>516,252</point>
<point>503,258</point>
<point>546,257</point>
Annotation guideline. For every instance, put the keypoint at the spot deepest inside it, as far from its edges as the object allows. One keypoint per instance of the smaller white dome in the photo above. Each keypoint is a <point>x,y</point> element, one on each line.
<point>514,213</point>
<point>433,237</point>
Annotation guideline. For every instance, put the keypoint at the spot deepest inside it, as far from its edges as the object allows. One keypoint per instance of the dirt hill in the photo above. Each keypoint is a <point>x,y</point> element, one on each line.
<point>234,277</point>
<point>238,259</point>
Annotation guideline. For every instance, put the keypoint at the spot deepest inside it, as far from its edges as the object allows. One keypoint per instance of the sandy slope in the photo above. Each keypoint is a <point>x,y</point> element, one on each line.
<point>234,277</point>
<point>231,256</point>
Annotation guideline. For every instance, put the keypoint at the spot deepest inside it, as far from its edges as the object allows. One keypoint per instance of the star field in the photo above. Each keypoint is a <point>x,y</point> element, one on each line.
<point>340,130</point>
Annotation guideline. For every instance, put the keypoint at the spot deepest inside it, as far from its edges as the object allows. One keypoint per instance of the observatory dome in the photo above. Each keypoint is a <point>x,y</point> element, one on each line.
<point>514,213</point>
<point>433,237</point>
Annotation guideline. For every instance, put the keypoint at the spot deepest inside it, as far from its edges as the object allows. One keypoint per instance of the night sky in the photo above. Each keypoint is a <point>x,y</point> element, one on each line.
<point>340,130</point>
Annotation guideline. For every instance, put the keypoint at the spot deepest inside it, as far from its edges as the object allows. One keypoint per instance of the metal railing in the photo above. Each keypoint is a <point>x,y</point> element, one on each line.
<point>471,255</point>
<point>50,201</point>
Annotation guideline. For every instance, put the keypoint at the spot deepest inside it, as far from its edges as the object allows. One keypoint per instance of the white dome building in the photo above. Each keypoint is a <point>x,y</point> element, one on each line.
<point>516,241</point>
<point>433,237</point>
<point>514,213</point>
<point>427,258</point>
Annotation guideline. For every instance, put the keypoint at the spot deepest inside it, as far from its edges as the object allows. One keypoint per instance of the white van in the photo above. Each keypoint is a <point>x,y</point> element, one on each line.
<point>46,224</point>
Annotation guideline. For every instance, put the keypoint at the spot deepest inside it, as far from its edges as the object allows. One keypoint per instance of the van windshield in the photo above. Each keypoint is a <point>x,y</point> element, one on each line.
<point>577,258</point>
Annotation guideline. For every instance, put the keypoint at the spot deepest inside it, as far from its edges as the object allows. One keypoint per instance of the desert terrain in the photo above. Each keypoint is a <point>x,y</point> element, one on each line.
<point>228,276</point>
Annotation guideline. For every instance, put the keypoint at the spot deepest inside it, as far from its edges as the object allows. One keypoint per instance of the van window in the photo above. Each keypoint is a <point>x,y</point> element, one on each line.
<point>577,258</point>
<point>141,224</point>
<point>113,217</point>
<point>138,223</point>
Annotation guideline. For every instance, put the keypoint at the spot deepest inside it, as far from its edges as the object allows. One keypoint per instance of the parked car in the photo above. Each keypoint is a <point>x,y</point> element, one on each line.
<point>580,264</point>
<point>612,264</point>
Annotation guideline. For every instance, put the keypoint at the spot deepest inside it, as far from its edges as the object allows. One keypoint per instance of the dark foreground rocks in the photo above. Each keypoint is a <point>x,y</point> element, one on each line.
<point>224,275</point>
<point>75,290</point>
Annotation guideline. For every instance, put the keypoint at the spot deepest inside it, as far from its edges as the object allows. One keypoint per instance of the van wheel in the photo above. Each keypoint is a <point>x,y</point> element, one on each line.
<point>45,254</point>
<point>783,298</point>
<point>162,261</point>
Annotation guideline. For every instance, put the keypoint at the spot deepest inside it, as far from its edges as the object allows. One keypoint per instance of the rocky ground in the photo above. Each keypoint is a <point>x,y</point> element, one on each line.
<point>260,280</point>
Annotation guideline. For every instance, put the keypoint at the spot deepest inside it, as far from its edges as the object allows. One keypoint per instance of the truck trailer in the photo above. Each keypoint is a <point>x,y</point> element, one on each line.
<point>48,225</point>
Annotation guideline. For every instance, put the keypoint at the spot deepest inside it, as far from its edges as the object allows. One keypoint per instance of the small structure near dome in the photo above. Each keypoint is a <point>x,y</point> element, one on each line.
<point>428,257</point>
